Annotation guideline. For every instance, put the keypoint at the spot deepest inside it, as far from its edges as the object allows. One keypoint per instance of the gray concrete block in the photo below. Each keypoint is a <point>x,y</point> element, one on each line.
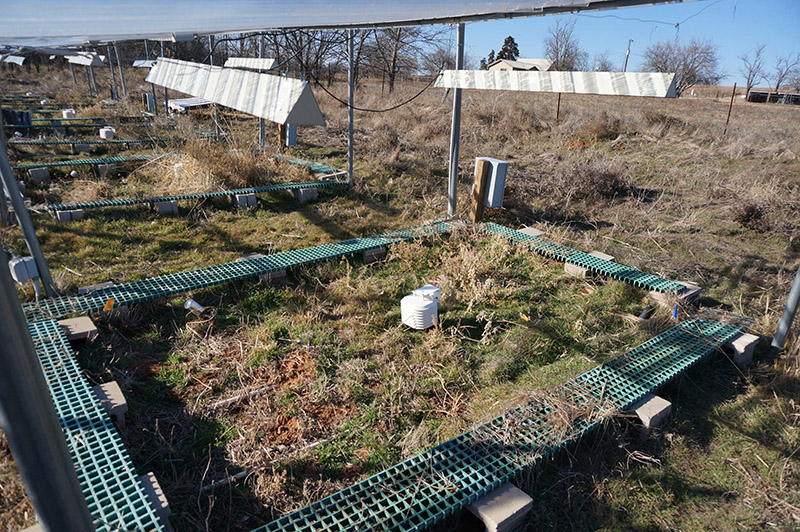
<point>110,396</point>
<point>668,301</point>
<point>302,195</point>
<point>503,509</point>
<point>580,271</point>
<point>69,216</point>
<point>244,201</point>
<point>532,231</point>
<point>76,329</point>
<point>157,498</point>
<point>86,290</point>
<point>166,207</point>
<point>743,347</point>
<point>373,255</point>
<point>652,410</point>
<point>40,175</point>
<point>81,148</point>
<point>106,169</point>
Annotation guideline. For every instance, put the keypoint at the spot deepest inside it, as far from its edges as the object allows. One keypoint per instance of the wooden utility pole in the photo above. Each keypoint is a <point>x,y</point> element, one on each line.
<point>482,167</point>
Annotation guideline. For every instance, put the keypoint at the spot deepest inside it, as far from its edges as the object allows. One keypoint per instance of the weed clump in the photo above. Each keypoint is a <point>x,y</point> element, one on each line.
<point>600,126</point>
<point>752,216</point>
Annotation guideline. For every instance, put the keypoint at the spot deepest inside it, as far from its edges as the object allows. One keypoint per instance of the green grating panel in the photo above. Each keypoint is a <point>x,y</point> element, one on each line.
<point>90,142</point>
<point>612,269</point>
<point>115,496</point>
<point>317,168</point>
<point>176,283</point>
<point>81,162</point>
<point>423,490</point>
<point>198,195</point>
<point>43,126</point>
<point>94,119</point>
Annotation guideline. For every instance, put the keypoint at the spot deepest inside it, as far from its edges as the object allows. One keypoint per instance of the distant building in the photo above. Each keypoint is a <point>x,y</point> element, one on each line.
<point>540,65</point>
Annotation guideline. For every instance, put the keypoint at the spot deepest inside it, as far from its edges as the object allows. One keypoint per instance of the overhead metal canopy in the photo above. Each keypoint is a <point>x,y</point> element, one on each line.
<point>274,98</point>
<point>43,22</point>
<point>656,84</point>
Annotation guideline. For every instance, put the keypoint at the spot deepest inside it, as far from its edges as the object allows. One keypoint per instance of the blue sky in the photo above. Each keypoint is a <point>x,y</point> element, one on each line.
<point>735,26</point>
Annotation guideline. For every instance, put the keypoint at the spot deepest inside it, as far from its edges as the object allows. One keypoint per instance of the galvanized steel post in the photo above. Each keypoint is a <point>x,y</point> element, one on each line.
<point>166,95</point>
<point>455,129</point>
<point>31,426</point>
<point>261,124</point>
<point>788,316</point>
<point>121,74</point>
<point>24,219</point>
<point>114,91</point>
<point>152,85</point>
<point>350,98</point>
<point>214,105</point>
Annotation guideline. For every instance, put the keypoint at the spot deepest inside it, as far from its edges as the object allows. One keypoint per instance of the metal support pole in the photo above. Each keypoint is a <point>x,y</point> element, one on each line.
<point>88,80</point>
<point>31,426</point>
<point>114,91</point>
<point>152,85</point>
<point>166,96</point>
<point>121,74</point>
<point>94,81</point>
<point>261,124</point>
<point>3,207</point>
<point>74,77</point>
<point>788,316</point>
<point>351,36</point>
<point>24,219</point>
<point>211,62</point>
<point>455,128</point>
<point>730,108</point>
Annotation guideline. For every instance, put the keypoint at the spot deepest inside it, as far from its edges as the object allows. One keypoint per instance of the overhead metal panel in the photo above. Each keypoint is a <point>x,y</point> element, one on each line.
<point>43,22</point>
<point>252,63</point>
<point>656,84</point>
<point>86,59</point>
<point>15,59</point>
<point>144,63</point>
<point>274,98</point>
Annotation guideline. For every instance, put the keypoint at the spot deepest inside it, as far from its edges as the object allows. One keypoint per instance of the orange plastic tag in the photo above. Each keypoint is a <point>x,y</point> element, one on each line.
<point>109,305</point>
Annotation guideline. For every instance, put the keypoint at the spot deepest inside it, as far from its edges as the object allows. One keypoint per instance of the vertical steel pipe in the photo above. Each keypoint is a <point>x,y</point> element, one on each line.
<point>455,128</point>
<point>788,316</point>
<point>351,34</point>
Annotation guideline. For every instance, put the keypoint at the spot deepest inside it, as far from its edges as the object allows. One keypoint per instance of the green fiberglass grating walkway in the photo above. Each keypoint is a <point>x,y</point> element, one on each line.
<point>421,491</point>
<point>115,496</point>
<point>317,168</point>
<point>89,142</point>
<point>198,195</point>
<point>595,264</point>
<point>81,162</point>
<point>176,283</point>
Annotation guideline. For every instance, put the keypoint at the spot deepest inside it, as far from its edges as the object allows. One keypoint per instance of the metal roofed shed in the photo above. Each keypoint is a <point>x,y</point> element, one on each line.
<point>274,98</point>
<point>542,65</point>
<point>654,84</point>
<point>251,63</point>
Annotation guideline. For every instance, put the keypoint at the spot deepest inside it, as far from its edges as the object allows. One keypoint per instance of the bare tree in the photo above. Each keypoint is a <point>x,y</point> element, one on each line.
<point>440,59</point>
<point>753,68</point>
<point>561,46</point>
<point>785,68</point>
<point>696,63</point>
<point>400,49</point>
<point>602,62</point>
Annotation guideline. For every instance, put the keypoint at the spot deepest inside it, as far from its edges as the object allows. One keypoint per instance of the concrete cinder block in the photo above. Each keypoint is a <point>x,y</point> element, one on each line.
<point>166,207</point>
<point>373,255</point>
<point>532,231</point>
<point>244,201</point>
<point>110,396</point>
<point>86,290</point>
<point>502,510</point>
<point>68,113</point>
<point>690,295</point>
<point>77,329</point>
<point>652,410</point>
<point>106,169</point>
<point>40,175</point>
<point>743,347</point>
<point>157,498</point>
<point>302,195</point>
<point>580,271</point>
<point>69,216</point>
<point>80,147</point>
<point>107,133</point>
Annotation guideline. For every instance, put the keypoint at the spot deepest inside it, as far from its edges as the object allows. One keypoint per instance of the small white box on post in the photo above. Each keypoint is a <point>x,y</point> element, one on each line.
<point>496,187</point>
